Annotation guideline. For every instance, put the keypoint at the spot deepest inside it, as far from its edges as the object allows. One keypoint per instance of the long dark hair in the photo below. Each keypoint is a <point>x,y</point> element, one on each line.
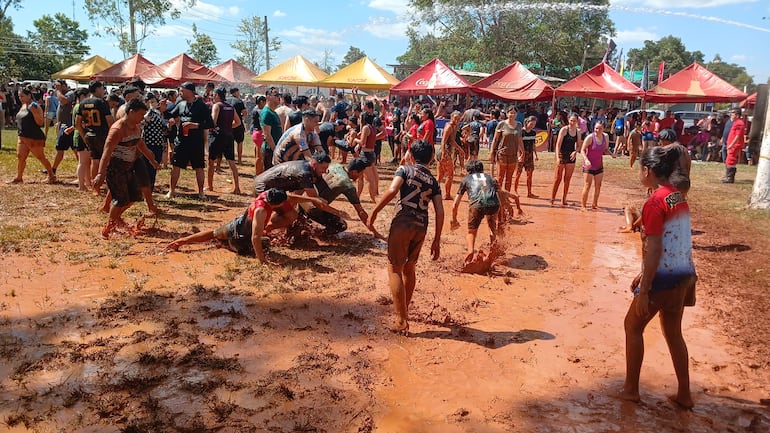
<point>661,160</point>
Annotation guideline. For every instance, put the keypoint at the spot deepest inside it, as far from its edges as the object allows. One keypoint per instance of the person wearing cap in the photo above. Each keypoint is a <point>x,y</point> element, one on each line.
<point>221,137</point>
<point>194,118</point>
<point>332,135</point>
<point>244,234</point>
<point>300,141</point>
<point>297,177</point>
<point>734,145</point>
<point>335,182</point>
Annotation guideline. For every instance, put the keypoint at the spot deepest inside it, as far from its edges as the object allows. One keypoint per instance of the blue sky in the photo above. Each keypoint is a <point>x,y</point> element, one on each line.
<point>737,30</point>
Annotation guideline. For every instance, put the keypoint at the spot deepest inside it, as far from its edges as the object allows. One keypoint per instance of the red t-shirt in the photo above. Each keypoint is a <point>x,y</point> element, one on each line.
<point>425,131</point>
<point>667,214</point>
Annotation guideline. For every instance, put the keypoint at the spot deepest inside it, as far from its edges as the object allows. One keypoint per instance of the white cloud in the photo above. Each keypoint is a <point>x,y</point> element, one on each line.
<point>279,13</point>
<point>386,28</point>
<point>681,4</point>
<point>398,7</point>
<point>234,11</point>
<point>739,58</point>
<point>202,10</point>
<point>635,35</point>
<point>173,30</point>
<point>318,38</point>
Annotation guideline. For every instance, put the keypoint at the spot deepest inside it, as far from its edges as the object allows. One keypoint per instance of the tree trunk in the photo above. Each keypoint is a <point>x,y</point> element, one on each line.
<point>132,26</point>
<point>760,130</point>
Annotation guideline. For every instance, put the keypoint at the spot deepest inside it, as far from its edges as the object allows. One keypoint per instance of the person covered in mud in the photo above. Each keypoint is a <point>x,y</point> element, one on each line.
<point>244,234</point>
<point>483,203</point>
<point>667,281</point>
<point>297,177</point>
<point>122,147</point>
<point>335,182</point>
<point>417,188</point>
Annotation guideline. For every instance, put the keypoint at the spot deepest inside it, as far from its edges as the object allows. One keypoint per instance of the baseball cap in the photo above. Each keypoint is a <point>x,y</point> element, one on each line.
<point>339,122</point>
<point>188,85</point>
<point>356,164</point>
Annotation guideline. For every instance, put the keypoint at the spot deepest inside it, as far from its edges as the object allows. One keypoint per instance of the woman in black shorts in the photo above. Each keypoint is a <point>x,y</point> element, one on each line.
<point>30,119</point>
<point>566,154</point>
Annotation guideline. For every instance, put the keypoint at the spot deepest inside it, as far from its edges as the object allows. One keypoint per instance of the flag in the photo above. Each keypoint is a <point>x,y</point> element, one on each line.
<point>645,75</point>
<point>622,66</point>
<point>610,48</point>
<point>620,58</point>
<point>660,71</point>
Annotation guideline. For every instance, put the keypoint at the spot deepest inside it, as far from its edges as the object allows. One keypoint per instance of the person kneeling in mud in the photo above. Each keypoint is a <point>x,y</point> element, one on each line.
<point>483,202</point>
<point>633,220</point>
<point>243,235</point>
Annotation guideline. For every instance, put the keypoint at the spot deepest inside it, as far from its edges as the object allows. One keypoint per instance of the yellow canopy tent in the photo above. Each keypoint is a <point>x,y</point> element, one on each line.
<point>295,71</point>
<point>83,71</point>
<point>363,74</point>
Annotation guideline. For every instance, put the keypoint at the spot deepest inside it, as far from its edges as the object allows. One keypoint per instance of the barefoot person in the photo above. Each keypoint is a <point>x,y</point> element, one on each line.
<point>527,155</point>
<point>30,119</point>
<point>483,203</point>
<point>417,188</point>
<point>667,281</point>
<point>243,235</point>
<point>506,144</point>
<point>124,142</point>
<point>595,146</point>
<point>566,154</point>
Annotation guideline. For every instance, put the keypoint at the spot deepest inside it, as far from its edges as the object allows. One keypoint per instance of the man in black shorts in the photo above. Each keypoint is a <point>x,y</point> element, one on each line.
<point>483,202</point>
<point>335,182</point>
<point>417,188</point>
<point>243,235</point>
<point>64,140</point>
<point>93,120</point>
<point>297,177</point>
<point>193,117</point>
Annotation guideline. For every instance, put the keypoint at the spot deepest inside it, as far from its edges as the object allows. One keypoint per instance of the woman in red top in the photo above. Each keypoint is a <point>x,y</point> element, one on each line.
<point>427,127</point>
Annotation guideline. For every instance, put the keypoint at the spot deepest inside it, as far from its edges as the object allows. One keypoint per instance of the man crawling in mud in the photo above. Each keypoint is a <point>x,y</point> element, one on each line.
<point>244,234</point>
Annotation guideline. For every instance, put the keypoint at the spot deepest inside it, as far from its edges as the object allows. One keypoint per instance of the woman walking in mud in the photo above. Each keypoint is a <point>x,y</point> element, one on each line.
<point>566,154</point>
<point>667,281</point>
<point>595,146</point>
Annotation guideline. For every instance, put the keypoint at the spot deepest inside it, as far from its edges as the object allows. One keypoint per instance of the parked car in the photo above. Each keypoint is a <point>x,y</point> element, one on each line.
<point>650,112</point>
<point>691,118</point>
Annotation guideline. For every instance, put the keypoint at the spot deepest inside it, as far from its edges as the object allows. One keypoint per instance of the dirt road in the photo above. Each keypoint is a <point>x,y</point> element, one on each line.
<point>102,336</point>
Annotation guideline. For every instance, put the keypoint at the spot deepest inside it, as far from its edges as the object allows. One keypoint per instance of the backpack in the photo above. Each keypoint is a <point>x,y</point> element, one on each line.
<point>488,195</point>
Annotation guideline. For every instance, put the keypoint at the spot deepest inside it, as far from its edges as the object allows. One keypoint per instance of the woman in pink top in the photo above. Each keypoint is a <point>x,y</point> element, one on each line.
<point>595,146</point>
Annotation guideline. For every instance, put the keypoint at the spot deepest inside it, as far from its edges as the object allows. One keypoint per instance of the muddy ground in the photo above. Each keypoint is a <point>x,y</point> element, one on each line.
<point>108,336</point>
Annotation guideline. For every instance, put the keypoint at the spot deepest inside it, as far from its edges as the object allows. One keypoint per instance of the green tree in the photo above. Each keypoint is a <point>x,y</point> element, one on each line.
<point>351,56</point>
<point>732,73</point>
<point>669,49</point>
<point>61,38</point>
<point>7,4</point>
<point>20,58</point>
<point>202,48</point>
<point>122,18</point>
<point>491,35</point>
<point>251,44</point>
<point>326,63</point>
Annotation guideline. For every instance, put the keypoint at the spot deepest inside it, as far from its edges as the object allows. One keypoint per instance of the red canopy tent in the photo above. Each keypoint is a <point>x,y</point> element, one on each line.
<point>514,83</point>
<point>601,82</point>
<point>435,78</point>
<point>234,72</point>
<point>126,70</point>
<point>750,101</point>
<point>694,84</point>
<point>177,70</point>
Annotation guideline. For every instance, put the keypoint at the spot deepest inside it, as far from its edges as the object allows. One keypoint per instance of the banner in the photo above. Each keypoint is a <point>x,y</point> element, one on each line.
<point>646,76</point>
<point>610,48</point>
<point>660,71</point>
<point>618,66</point>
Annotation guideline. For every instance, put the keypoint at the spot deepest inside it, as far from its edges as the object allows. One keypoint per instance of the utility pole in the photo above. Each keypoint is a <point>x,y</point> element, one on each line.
<point>132,26</point>
<point>760,133</point>
<point>267,47</point>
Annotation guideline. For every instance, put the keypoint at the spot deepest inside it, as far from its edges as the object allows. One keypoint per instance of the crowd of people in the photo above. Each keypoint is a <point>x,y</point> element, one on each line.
<point>309,151</point>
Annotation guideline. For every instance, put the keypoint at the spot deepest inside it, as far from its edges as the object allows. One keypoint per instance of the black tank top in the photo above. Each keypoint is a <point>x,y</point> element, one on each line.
<point>28,128</point>
<point>568,143</point>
